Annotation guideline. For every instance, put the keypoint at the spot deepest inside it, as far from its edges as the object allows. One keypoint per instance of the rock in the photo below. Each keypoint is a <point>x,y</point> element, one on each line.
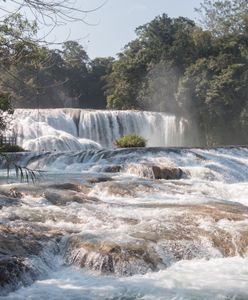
<point>18,247</point>
<point>66,186</point>
<point>163,172</point>
<point>124,259</point>
<point>8,201</point>
<point>112,169</point>
<point>127,189</point>
<point>153,171</point>
<point>66,197</point>
<point>99,179</point>
<point>14,272</point>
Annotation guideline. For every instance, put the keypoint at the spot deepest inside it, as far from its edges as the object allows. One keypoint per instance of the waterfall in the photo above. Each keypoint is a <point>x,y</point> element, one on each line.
<point>78,129</point>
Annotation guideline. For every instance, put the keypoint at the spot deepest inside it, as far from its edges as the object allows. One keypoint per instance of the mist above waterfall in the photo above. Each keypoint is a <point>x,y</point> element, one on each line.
<point>162,92</point>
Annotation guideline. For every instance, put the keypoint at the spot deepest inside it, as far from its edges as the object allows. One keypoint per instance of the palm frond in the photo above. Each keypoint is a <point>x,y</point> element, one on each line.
<point>23,173</point>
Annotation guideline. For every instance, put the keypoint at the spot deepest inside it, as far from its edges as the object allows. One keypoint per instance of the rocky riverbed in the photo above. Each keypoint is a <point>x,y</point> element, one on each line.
<point>150,215</point>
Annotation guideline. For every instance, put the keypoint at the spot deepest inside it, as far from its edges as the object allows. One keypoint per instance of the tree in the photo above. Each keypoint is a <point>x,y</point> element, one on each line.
<point>24,63</point>
<point>163,46</point>
<point>223,17</point>
<point>175,66</point>
<point>49,13</point>
<point>5,106</point>
<point>213,92</point>
<point>74,55</point>
<point>98,70</point>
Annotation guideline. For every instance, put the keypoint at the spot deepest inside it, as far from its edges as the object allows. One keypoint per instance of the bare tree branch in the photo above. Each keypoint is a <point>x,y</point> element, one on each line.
<point>51,12</point>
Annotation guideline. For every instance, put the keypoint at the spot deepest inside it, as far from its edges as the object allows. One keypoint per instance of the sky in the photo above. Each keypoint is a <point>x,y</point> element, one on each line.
<point>113,25</point>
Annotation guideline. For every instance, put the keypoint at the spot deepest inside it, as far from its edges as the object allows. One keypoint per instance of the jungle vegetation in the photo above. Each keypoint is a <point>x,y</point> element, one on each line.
<point>175,65</point>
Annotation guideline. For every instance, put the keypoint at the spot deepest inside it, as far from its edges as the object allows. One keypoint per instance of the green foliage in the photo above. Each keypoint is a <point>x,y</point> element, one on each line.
<point>173,66</point>
<point>5,105</point>
<point>163,41</point>
<point>10,148</point>
<point>34,75</point>
<point>223,17</point>
<point>74,54</point>
<point>177,67</point>
<point>130,141</point>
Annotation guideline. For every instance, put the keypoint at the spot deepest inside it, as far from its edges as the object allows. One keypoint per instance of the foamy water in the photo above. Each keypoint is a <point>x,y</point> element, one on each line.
<point>78,129</point>
<point>168,239</point>
<point>216,279</point>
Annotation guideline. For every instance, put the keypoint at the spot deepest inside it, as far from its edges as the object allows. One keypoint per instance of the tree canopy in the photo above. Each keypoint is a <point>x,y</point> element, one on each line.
<point>179,67</point>
<point>198,71</point>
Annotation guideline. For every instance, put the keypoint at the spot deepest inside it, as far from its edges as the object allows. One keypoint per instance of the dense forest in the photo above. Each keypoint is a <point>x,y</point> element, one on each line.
<point>198,71</point>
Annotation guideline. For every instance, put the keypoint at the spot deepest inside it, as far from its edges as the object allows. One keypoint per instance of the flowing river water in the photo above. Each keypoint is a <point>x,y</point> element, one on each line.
<point>151,223</point>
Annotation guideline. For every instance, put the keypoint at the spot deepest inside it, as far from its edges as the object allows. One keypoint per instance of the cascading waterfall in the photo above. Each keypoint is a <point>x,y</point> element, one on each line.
<point>104,223</point>
<point>115,212</point>
<point>76,129</point>
<point>158,223</point>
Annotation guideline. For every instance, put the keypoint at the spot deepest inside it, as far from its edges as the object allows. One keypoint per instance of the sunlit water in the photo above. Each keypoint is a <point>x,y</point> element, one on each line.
<point>78,129</point>
<point>176,221</point>
<point>199,279</point>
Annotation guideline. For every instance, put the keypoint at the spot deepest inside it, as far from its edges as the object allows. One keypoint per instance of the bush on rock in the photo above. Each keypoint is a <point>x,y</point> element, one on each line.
<point>130,141</point>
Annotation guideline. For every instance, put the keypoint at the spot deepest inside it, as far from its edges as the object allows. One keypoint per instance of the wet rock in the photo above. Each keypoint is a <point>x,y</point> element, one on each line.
<point>66,186</point>
<point>16,245</point>
<point>196,231</point>
<point>152,171</point>
<point>38,190</point>
<point>130,189</point>
<point>99,179</point>
<point>80,188</point>
<point>112,169</point>
<point>67,197</point>
<point>19,245</point>
<point>15,272</point>
<point>6,201</point>
<point>124,259</point>
<point>162,172</point>
<point>23,241</point>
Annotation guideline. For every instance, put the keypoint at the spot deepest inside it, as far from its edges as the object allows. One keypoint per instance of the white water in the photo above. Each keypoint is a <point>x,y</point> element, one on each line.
<point>194,228</point>
<point>217,279</point>
<point>66,129</point>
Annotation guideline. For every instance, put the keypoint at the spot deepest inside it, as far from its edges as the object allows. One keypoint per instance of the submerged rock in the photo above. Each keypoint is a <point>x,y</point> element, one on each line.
<point>8,201</point>
<point>186,232</point>
<point>112,168</point>
<point>99,179</point>
<point>67,197</point>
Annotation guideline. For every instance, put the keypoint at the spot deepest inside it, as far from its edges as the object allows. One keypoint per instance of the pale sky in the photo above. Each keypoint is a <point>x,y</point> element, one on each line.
<point>116,22</point>
<point>113,24</point>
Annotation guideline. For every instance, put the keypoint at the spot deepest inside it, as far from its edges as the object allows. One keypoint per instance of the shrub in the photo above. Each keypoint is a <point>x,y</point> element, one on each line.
<point>129,141</point>
<point>11,148</point>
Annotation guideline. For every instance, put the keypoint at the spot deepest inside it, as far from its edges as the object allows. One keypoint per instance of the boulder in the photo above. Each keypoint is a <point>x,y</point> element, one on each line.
<point>18,247</point>
<point>14,271</point>
<point>122,259</point>
<point>99,179</point>
<point>153,171</point>
<point>112,169</point>
<point>66,197</point>
<point>164,172</point>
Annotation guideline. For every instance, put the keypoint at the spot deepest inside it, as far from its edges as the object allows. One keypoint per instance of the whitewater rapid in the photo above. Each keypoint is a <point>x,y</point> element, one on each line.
<point>199,279</point>
<point>151,223</point>
<point>78,129</point>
